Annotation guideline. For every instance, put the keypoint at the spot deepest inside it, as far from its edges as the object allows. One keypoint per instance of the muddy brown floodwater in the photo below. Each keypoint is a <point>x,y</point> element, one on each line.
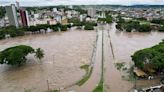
<point>124,45</point>
<point>94,79</point>
<point>65,52</point>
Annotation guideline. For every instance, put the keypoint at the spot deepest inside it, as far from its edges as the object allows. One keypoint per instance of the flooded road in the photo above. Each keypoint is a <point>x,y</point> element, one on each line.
<point>65,52</point>
<point>94,79</point>
<point>112,77</point>
<point>124,44</point>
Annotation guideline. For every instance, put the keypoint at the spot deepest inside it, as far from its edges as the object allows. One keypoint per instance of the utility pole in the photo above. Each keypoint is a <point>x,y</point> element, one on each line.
<point>48,86</point>
<point>103,56</point>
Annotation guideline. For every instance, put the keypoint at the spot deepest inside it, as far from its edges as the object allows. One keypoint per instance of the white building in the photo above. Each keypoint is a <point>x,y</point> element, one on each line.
<point>58,18</point>
<point>2,22</point>
<point>81,18</point>
<point>36,16</point>
<point>103,14</point>
<point>91,12</point>
<point>71,7</point>
<point>55,10</point>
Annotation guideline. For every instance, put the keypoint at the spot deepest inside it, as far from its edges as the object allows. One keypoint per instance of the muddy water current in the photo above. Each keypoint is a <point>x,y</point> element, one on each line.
<point>64,52</point>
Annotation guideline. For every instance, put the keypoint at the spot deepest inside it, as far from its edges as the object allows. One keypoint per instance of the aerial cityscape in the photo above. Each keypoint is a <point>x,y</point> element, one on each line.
<point>81,46</point>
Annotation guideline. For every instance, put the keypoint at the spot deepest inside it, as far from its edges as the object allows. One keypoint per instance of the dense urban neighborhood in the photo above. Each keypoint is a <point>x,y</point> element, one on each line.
<point>82,48</point>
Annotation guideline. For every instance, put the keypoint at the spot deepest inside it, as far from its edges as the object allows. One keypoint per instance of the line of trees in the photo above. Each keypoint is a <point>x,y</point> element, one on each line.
<point>161,29</point>
<point>45,26</point>
<point>108,19</point>
<point>12,31</point>
<point>87,25</point>
<point>132,25</point>
<point>158,21</point>
<point>17,55</point>
<point>137,26</point>
<point>77,22</point>
<point>150,58</point>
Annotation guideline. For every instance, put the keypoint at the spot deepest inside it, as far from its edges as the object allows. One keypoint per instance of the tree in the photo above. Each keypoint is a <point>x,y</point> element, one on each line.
<point>89,27</point>
<point>144,28</point>
<point>12,31</point>
<point>69,26</point>
<point>108,19</point>
<point>153,57</point>
<point>161,29</point>
<point>15,55</point>
<point>119,27</point>
<point>55,28</point>
<point>128,27</point>
<point>39,53</point>
<point>101,19</point>
<point>33,29</point>
<point>63,27</point>
<point>75,21</point>
<point>120,19</point>
<point>158,21</point>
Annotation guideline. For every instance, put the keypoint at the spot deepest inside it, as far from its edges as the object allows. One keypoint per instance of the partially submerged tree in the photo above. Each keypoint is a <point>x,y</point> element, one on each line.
<point>89,27</point>
<point>39,53</point>
<point>150,57</point>
<point>17,55</point>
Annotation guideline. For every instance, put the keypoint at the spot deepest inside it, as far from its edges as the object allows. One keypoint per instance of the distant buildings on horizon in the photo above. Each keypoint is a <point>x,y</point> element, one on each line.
<point>18,16</point>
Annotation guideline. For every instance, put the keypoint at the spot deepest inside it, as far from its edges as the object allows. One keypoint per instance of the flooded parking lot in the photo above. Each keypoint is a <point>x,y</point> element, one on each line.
<point>64,54</point>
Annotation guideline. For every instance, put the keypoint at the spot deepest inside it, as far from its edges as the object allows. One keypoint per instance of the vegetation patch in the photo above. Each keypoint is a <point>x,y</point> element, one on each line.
<point>89,27</point>
<point>12,31</point>
<point>130,25</point>
<point>99,88</point>
<point>108,19</point>
<point>17,55</point>
<point>85,67</point>
<point>131,76</point>
<point>86,76</point>
<point>158,21</point>
<point>120,66</point>
<point>150,59</point>
<point>161,29</point>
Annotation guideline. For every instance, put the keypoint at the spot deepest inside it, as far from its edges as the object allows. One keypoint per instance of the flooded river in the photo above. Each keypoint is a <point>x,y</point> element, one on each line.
<point>65,52</point>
